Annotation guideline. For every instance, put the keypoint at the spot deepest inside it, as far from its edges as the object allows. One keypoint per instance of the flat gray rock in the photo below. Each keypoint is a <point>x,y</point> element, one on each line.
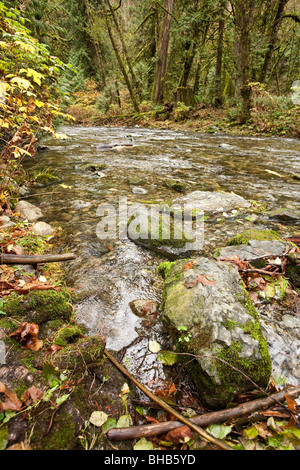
<point>213,201</point>
<point>253,250</point>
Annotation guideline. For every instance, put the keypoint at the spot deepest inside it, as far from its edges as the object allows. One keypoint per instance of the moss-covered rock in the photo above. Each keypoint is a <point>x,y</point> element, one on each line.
<point>40,306</point>
<point>161,232</point>
<point>210,316</point>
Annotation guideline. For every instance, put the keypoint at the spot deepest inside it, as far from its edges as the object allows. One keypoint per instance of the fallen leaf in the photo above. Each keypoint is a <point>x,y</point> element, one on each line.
<point>98,418</point>
<point>154,346</point>
<point>143,444</point>
<point>199,280</point>
<point>31,395</point>
<point>27,334</point>
<point>53,348</point>
<point>179,435</point>
<point>189,266</point>
<point>11,402</point>
<point>125,389</point>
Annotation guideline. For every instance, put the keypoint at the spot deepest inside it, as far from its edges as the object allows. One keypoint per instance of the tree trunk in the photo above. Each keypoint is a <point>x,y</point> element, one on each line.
<point>273,36</point>
<point>162,52</point>
<point>119,58</point>
<point>218,79</point>
<point>124,48</point>
<point>95,43</point>
<point>243,13</point>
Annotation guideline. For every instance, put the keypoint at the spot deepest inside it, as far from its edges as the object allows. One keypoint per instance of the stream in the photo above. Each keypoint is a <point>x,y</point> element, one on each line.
<point>109,274</point>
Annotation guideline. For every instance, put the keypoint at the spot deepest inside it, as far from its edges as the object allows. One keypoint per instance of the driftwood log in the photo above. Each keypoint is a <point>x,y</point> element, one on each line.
<point>215,417</point>
<point>34,259</point>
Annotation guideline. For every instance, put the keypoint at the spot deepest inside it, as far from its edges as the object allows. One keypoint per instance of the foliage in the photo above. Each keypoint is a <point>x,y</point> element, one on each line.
<point>30,95</point>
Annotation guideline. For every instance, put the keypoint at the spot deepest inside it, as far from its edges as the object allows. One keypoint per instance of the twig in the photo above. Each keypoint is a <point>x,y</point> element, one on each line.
<point>209,437</point>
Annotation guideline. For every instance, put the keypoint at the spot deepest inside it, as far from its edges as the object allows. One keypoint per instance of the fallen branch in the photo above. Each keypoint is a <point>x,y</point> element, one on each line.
<point>204,434</point>
<point>215,417</point>
<point>34,259</point>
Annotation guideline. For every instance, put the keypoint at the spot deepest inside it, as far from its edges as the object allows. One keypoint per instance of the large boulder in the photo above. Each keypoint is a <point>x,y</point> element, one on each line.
<point>210,316</point>
<point>163,230</point>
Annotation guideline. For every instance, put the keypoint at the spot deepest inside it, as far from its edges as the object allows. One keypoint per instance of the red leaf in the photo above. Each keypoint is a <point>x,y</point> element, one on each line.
<point>179,435</point>
<point>199,280</point>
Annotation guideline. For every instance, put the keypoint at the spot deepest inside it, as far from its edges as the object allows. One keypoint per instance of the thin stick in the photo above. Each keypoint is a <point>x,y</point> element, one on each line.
<point>187,422</point>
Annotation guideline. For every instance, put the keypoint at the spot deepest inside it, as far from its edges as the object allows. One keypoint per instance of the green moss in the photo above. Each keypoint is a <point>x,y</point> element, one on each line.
<point>62,435</point>
<point>69,334</point>
<point>40,306</point>
<point>78,355</point>
<point>244,238</point>
<point>176,185</point>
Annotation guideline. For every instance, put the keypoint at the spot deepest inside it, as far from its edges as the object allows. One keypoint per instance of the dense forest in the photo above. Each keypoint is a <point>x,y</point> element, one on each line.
<point>137,56</point>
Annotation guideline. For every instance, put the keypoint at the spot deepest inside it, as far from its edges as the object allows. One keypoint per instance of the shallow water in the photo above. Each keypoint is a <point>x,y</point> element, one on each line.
<point>111,273</point>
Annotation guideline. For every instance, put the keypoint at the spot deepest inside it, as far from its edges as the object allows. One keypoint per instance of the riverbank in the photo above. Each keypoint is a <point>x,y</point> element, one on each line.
<point>270,115</point>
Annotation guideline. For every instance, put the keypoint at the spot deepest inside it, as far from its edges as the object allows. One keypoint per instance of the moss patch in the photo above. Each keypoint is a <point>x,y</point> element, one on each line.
<point>40,306</point>
<point>245,237</point>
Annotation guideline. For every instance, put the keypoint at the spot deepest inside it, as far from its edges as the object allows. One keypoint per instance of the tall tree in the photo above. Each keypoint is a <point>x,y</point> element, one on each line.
<point>243,11</point>
<point>272,37</point>
<point>219,62</point>
<point>162,51</point>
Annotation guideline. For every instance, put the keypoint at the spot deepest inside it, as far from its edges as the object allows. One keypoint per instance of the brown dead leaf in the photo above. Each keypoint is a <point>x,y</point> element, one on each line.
<point>11,402</point>
<point>53,348</point>
<point>27,334</point>
<point>199,280</point>
<point>31,395</point>
<point>179,435</point>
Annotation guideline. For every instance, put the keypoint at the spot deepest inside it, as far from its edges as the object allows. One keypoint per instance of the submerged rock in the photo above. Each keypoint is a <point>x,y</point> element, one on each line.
<point>210,315</point>
<point>213,201</point>
<point>143,308</point>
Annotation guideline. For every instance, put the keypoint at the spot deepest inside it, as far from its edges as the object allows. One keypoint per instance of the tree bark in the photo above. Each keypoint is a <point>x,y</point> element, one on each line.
<point>119,58</point>
<point>243,14</point>
<point>96,44</point>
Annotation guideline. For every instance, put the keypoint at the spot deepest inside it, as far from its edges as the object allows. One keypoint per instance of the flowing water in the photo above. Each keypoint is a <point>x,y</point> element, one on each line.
<point>111,273</point>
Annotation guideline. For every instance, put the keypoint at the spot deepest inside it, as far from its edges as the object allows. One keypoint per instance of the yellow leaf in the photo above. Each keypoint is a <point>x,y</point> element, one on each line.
<point>36,76</point>
<point>39,104</point>
<point>26,47</point>
<point>21,82</point>
<point>60,136</point>
<point>65,186</point>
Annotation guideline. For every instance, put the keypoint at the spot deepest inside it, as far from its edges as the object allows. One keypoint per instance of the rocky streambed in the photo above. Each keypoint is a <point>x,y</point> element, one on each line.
<point>137,285</point>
